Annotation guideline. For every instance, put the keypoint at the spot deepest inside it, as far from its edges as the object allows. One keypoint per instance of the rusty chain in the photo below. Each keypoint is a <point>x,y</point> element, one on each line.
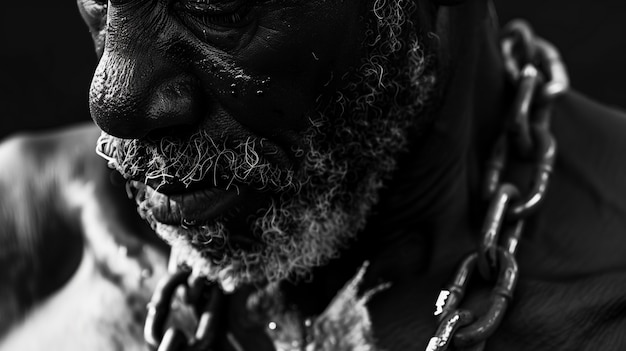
<point>535,68</point>
<point>202,295</point>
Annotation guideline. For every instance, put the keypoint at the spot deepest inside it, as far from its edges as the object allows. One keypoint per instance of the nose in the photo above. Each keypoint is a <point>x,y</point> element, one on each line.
<point>131,97</point>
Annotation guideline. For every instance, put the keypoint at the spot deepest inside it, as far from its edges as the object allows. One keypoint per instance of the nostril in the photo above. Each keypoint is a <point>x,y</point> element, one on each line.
<point>156,108</point>
<point>132,97</point>
<point>175,111</point>
<point>175,103</point>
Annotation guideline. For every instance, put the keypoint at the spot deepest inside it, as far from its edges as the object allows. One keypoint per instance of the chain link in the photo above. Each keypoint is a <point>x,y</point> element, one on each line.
<point>535,68</point>
<point>487,252</point>
<point>202,295</point>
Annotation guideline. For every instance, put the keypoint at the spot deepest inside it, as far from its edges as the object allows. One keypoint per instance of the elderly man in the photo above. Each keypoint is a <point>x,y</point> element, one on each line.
<point>327,174</point>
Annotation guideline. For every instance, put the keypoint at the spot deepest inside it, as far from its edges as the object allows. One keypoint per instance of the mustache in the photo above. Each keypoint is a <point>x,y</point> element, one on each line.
<point>197,158</point>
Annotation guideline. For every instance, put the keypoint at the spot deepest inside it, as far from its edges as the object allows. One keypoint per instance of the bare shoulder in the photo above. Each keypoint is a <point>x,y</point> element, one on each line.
<point>71,246</point>
<point>41,239</point>
<point>43,170</point>
<point>68,145</point>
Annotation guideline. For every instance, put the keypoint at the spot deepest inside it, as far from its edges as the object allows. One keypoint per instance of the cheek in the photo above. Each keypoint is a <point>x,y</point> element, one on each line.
<point>290,59</point>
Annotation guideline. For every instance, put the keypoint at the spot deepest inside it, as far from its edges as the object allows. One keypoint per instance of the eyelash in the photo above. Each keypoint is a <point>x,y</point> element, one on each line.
<point>226,19</point>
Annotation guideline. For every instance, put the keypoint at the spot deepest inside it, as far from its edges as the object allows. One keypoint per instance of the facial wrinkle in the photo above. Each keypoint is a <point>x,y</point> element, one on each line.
<point>346,155</point>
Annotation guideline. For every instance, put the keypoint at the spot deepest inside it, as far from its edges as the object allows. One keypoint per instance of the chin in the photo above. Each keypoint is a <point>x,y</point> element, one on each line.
<point>316,206</point>
<point>284,241</point>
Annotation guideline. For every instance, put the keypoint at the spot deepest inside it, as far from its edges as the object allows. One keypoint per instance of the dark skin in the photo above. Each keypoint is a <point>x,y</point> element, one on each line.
<point>570,294</point>
<point>226,73</point>
<point>257,76</point>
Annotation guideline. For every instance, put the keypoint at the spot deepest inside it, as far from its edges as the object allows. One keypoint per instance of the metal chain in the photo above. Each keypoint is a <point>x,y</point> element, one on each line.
<point>535,67</point>
<point>202,295</point>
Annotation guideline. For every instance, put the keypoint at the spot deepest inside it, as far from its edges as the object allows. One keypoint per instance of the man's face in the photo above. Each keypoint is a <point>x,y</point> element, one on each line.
<point>255,134</point>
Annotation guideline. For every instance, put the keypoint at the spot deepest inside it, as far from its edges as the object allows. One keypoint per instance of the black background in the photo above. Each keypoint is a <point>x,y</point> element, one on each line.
<point>46,58</point>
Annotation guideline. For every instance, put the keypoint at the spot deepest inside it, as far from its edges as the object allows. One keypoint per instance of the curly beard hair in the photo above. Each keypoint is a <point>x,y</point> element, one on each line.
<point>347,153</point>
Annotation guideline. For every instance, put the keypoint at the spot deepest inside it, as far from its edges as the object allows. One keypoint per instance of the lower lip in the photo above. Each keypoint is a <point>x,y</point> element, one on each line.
<point>193,208</point>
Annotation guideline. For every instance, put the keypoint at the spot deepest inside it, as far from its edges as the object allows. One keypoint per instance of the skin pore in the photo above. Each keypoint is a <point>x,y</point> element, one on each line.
<point>265,186</point>
<point>235,177</point>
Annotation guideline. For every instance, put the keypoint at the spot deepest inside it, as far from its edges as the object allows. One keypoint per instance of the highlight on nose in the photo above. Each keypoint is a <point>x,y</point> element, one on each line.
<point>129,103</point>
<point>174,104</point>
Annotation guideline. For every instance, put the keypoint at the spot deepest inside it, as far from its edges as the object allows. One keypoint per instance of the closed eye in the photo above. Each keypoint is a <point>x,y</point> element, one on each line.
<point>226,13</point>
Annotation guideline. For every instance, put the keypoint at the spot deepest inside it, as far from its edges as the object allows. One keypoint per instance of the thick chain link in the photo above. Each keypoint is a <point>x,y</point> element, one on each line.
<point>535,67</point>
<point>203,296</point>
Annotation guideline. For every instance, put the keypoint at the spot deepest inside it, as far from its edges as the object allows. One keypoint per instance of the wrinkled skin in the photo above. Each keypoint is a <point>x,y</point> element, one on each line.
<point>260,75</point>
<point>273,78</point>
<point>570,295</point>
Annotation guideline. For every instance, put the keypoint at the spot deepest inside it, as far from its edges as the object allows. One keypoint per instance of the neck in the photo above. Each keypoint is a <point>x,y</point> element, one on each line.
<point>427,207</point>
<point>437,187</point>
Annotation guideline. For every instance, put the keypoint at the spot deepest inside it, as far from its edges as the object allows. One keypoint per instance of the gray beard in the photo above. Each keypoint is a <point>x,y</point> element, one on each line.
<point>349,151</point>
